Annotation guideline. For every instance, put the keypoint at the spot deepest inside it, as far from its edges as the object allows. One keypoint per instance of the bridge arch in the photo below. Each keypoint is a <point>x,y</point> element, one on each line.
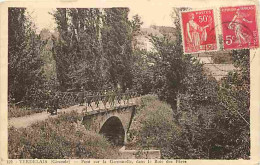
<point>113,130</point>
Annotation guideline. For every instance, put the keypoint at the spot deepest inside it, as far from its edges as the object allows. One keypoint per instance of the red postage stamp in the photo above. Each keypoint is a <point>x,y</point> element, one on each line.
<point>239,27</point>
<point>198,31</point>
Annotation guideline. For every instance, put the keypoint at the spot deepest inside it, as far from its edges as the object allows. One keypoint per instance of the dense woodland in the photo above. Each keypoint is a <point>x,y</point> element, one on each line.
<point>95,49</point>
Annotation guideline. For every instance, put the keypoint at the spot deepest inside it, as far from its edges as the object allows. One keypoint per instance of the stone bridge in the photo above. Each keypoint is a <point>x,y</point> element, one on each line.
<point>112,123</point>
<point>107,112</point>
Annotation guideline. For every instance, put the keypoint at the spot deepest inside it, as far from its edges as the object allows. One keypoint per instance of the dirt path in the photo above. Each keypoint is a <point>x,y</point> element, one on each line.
<point>25,121</point>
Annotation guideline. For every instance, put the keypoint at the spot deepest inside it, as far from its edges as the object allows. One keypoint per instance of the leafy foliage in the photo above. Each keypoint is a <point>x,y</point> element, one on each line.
<point>208,113</point>
<point>143,73</point>
<point>169,65</point>
<point>25,74</point>
<point>154,128</point>
<point>117,46</point>
<point>50,140</point>
<point>49,66</point>
<point>77,48</point>
<point>94,48</point>
<point>234,120</point>
<point>168,69</point>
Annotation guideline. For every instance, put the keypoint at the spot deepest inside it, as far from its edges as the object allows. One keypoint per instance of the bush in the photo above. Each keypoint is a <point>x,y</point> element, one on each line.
<point>153,128</point>
<point>58,139</point>
<point>146,100</point>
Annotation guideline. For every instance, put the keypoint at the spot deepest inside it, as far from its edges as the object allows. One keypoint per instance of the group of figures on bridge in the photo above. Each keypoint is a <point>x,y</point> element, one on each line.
<point>89,99</point>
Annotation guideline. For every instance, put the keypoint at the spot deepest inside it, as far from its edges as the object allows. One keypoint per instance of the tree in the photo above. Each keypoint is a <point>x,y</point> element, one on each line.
<point>182,83</point>
<point>169,68</point>
<point>94,48</point>
<point>214,117</point>
<point>77,50</point>
<point>233,120</point>
<point>136,24</point>
<point>25,74</point>
<point>170,64</point>
<point>117,46</point>
<point>60,48</point>
<point>47,57</point>
<point>143,76</point>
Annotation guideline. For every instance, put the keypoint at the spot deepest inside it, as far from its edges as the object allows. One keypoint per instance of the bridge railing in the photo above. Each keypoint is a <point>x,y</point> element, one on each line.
<point>100,99</point>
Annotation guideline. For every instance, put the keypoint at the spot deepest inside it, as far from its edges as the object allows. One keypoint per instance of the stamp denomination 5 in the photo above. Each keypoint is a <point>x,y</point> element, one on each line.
<point>239,27</point>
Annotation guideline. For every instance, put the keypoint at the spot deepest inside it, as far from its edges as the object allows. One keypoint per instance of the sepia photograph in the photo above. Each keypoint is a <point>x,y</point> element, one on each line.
<point>127,83</point>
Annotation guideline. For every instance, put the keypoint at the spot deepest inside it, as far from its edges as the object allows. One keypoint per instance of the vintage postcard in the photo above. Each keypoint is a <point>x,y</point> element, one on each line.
<point>130,82</point>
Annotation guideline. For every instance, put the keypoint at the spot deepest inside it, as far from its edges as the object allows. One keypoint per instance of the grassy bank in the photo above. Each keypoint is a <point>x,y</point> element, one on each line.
<point>153,128</point>
<point>16,111</point>
<point>59,138</point>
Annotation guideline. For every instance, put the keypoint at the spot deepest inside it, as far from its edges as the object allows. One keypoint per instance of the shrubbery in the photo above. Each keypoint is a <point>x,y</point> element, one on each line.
<point>207,133</point>
<point>58,139</point>
<point>213,116</point>
<point>26,82</point>
<point>233,120</point>
<point>153,128</point>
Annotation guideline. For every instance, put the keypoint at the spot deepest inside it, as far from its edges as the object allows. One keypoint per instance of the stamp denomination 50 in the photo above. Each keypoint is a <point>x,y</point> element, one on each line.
<point>198,31</point>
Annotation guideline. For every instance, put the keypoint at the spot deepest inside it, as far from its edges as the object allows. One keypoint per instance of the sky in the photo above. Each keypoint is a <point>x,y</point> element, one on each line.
<point>149,17</point>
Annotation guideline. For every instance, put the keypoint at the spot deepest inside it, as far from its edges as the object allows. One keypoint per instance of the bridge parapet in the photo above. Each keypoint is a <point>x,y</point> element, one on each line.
<point>100,99</point>
<point>109,113</point>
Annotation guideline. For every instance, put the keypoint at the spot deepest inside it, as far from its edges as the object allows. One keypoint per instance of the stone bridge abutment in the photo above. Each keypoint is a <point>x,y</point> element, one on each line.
<point>112,123</point>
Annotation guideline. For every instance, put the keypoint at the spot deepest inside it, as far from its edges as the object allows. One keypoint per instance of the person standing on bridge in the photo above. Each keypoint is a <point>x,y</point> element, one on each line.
<point>89,99</point>
<point>53,103</point>
<point>127,95</point>
<point>112,96</point>
<point>105,98</point>
<point>81,96</point>
<point>97,99</point>
<point>118,96</point>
